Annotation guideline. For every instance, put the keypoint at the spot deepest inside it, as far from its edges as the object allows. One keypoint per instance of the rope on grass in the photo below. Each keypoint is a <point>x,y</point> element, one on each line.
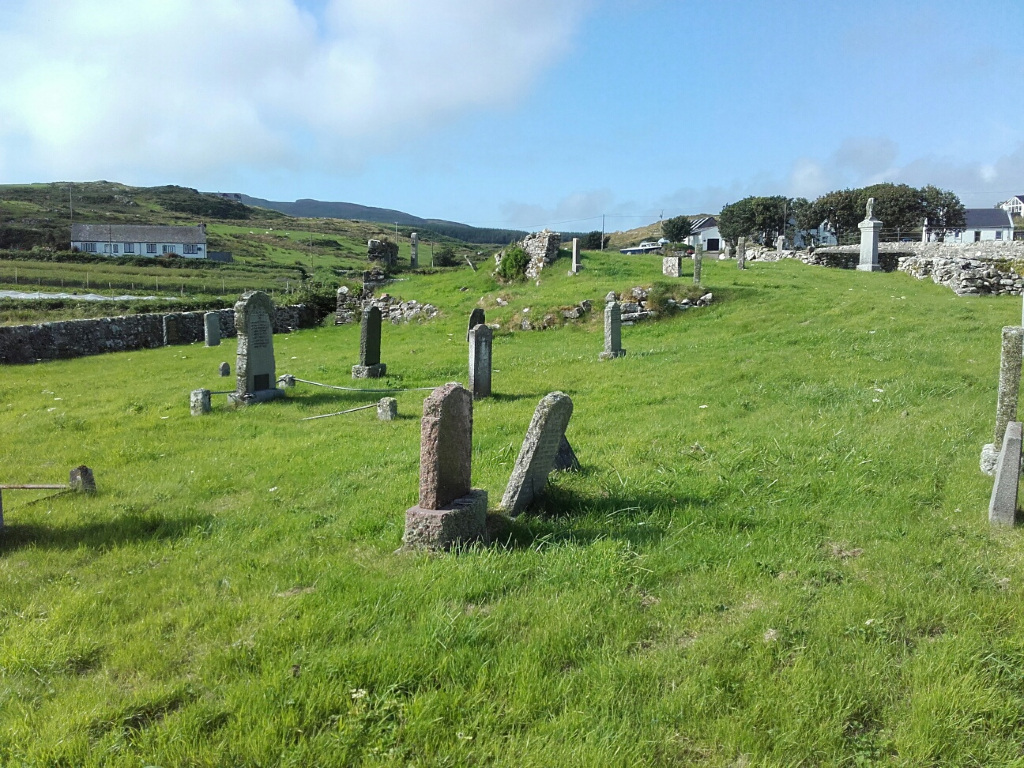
<point>339,413</point>
<point>360,389</point>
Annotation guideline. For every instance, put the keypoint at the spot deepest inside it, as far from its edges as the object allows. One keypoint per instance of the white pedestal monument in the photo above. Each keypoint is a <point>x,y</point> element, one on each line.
<point>870,229</point>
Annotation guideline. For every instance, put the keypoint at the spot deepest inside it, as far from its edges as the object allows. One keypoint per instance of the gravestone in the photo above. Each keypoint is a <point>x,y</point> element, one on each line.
<point>575,255</point>
<point>565,459</point>
<point>480,361</point>
<point>672,266</point>
<point>741,253</point>
<point>870,229</point>
<point>476,317</point>
<point>1009,389</point>
<point>171,334</point>
<point>449,510</point>
<point>537,456</point>
<point>211,329</point>
<point>224,369</point>
<point>698,262</point>
<point>612,331</point>
<point>387,409</point>
<point>414,250</point>
<point>780,244</point>
<point>255,372</point>
<point>199,402</point>
<point>1002,506</point>
<point>370,366</point>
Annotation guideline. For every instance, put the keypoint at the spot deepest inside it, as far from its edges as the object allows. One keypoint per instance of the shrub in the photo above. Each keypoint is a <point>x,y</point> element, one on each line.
<point>445,257</point>
<point>513,264</point>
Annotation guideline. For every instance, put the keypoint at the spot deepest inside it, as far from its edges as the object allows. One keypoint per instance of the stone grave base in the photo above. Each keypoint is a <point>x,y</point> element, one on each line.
<point>869,268</point>
<point>369,371</point>
<point>461,522</point>
<point>612,355</point>
<point>259,396</point>
<point>989,457</point>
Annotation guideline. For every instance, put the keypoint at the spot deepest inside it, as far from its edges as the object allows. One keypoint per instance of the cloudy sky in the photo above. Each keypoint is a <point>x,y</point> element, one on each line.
<point>524,113</point>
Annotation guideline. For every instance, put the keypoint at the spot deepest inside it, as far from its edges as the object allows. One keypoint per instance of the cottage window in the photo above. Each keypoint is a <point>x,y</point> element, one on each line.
<point>129,247</point>
<point>189,248</point>
<point>999,234</point>
<point>106,247</point>
<point>150,247</point>
<point>168,249</point>
<point>115,247</point>
<point>89,247</point>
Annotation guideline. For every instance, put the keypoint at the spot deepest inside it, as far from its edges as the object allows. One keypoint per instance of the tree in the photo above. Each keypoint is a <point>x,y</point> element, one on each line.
<point>804,215</point>
<point>592,241</point>
<point>677,229</point>
<point>943,210</point>
<point>445,257</point>
<point>840,210</point>
<point>736,220</point>
<point>899,206</point>
<point>770,215</point>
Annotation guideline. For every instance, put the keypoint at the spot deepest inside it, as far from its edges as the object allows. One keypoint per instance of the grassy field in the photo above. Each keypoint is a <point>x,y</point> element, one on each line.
<point>776,553</point>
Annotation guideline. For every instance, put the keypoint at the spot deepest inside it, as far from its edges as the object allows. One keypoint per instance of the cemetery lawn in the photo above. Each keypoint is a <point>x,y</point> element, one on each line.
<point>776,554</point>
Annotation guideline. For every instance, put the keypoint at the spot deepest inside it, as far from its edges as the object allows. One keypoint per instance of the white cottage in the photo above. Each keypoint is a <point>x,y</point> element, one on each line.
<point>1015,205</point>
<point>136,240</point>
<point>705,231</point>
<point>984,224</point>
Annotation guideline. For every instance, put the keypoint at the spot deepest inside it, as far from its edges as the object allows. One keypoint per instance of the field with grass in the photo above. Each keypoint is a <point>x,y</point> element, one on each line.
<point>776,552</point>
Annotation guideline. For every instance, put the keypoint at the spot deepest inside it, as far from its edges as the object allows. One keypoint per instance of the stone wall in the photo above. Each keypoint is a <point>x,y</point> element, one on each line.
<point>82,338</point>
<point>542,248</point>
<point>350,307</point>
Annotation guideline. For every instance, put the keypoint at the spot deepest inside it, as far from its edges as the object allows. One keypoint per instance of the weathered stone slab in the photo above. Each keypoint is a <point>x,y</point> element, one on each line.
<point>741,253</point>
<point>211,329</point>
<point>172,335</point>
<point>370,366</point>
<point>446,446</point>
<point>672,266</point>
<point>414,250</point>
<point>1009,380</point>
<point>476,317</point>
<point>698,262</point>
<point>255,371</point>
<point>1002,506</point>
<point>480,340</point>
<point>565,459</point>
<point>575,256</point>
<point>537,456</point>
<point>199,402</point>
<point>387,409</point>
<point>462,521</point>
<point>612,331</point>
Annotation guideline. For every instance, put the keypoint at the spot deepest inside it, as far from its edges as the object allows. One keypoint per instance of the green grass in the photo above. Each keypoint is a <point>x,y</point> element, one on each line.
<point>798,573</point>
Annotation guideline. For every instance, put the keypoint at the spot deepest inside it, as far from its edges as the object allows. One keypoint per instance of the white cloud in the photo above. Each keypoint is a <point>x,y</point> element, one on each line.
<point>123,89</point>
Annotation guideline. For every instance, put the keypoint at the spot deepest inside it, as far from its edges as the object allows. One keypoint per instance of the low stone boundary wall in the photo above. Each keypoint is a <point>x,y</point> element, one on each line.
<point>82,338</point>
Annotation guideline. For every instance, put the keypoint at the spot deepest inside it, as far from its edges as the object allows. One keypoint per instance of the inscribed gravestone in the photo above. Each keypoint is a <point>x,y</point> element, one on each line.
<point>224,369</point>
<point>480,338</point>
<point>171,334</point>
<point>1002,506</point>
<point>211,329</point>
<point>612,331</point>
<point>370,366</point>
<point>537,456</point>
<point>476,317</point>
<point>254,368</point>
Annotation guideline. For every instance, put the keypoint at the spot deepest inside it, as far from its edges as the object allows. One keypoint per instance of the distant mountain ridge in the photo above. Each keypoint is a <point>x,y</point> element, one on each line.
<point>310,209</point>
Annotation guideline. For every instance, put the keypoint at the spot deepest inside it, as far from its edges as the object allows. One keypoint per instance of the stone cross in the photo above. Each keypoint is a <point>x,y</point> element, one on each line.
<point>672,266</point>
<point>870,229</point>
<point>537,456</point>
<point>449,510</point>
<point>476,317</point>
<point>480,361</point>
<point>414,250</point>
<point>1009,389</point>
<point>370,366</point>
<point>171,334</point>
<point>698,262</point>
<point>741,253</point>
<point>1002,506</point>
<point>255,371</point>
<point>612,331</point>
<point>211,329</point>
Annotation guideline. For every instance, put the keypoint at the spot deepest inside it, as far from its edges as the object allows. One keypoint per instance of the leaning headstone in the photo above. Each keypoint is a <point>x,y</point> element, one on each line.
<point>672,266</point>
<point>199,402</point>
<point>387,409</point>
<point>449,510</point>
<point>225,369</point>
<point>171,334</point>
<point>370,366</point>
<point>255,371</point>
<point>1009,389</point>
<point>869,232</point>
<point>565,459</point>
<point>211,329</point>
<point>414,250</point>
<point>612,331</point>
<point>698,262</point>
<point>81,479</point>
<point>537,456</point>
<point>741,253</point>
<point>1002,506</point>
<point>476,317</point>
<point>480,338</point>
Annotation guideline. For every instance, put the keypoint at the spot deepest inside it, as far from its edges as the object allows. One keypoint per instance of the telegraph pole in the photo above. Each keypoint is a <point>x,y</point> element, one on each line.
<point>602,231</point>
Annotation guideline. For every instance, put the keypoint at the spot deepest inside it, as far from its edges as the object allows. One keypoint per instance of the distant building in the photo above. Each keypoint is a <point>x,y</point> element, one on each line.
<point>984,224</point>
<point>1015,205</point>
<point>705,231</point>
<point>140,240</point>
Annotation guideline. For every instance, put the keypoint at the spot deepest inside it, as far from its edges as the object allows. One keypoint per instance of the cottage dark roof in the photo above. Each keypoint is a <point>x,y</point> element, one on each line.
<point>704,222</point>
<point>134,233</point>
<point>981,218</point>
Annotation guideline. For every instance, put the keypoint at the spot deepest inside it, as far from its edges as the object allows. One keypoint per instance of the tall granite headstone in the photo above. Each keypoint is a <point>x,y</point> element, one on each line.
<point>1009,389</point>
<point>612,331</point>
<point>537,456</point>
<point>870,229</point>
<point>414,250</point>
<point>171,333</point>
<point>211,329</point>
<point>698,262</point>
<point>370,366</point>
<point>741,253</point>
<point>449,510</point>
<point>254,368</point>
<point>575,255</point>
<point>1002,506</point>
<point>476,317</point>
<point>480,338</point>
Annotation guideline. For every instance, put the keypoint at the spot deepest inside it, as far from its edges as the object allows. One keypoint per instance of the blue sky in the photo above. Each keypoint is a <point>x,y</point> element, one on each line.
<point>524,113</point>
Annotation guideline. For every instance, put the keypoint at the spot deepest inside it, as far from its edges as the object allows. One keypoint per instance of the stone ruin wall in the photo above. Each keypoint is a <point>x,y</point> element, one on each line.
<point>542,248</point>
<point>81,338</point>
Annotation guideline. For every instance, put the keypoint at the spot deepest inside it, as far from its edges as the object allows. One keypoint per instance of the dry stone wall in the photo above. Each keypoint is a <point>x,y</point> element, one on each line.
<point>351,304</point>
<point>82,338</point>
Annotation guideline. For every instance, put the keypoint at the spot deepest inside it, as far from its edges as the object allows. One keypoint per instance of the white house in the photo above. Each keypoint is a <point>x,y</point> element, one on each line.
<point>984,224</point>
<point>705,231</point>
<point>1015,205</point>
<point>136,240</point>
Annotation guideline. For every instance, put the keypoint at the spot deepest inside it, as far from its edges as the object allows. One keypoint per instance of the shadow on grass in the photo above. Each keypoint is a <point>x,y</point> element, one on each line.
<point>502,397</point>
<point>99,535</point>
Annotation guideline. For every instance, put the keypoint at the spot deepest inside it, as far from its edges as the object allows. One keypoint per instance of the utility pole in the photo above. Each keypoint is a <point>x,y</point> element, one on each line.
<point>602,231</point>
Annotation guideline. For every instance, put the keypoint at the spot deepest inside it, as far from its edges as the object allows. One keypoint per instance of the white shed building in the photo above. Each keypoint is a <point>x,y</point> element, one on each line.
<point>705,231</point>
<point>139,240</point>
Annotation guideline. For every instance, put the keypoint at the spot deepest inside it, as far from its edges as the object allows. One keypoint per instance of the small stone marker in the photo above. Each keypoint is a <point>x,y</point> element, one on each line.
<point>414,250</point>
<point>199,402</point>
<point>370,366</point>
<point>171,334</point>
<point>612,332</point>
<point>741,253</point>
<point>211,329</point>
<point>1002,506</point>
<point>81,479</point>
<point>476,317</point>
<point>480,338</point>
<point>449,510</point>
<point>387,409</point>
<point>672,266</point>
<point>537,456</point>
<point>225,369</point>
<point>869,231</point>
<point>565,459</point>
<point>1009,389</point>
<point>698,262</point>
<point>255,371</point>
